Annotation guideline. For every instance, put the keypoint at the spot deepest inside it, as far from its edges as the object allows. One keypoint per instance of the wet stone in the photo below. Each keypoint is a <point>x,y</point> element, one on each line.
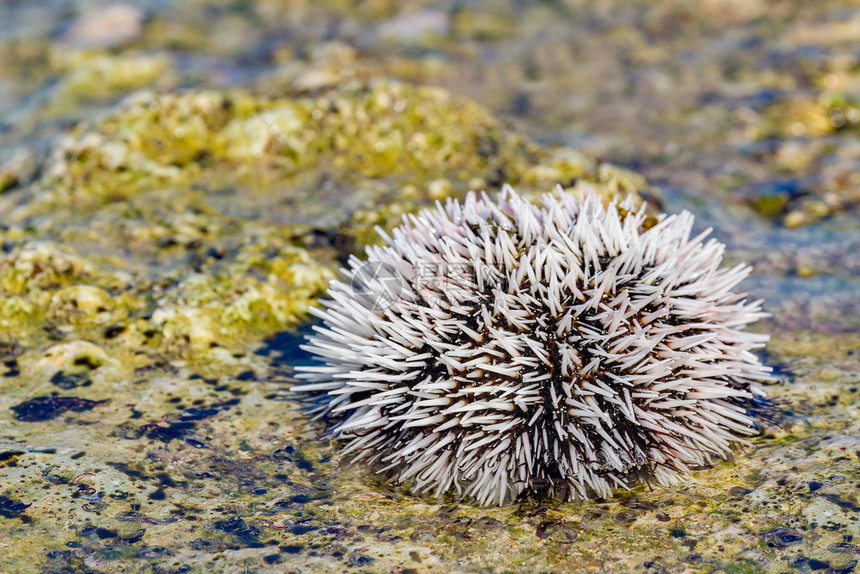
<point>68,381</point>
<point>10,351</point>
<point>558,532</point>
<point>147,552</point>
<point>12,508</point>
<point>782,537</point>
<point>242,531</point>
<point>198,414</point>
<point>844,548</point>
<point>627,517</point>
<point>638,505</point>
<point>802,562</point>
<point>739,491</point>
<point>50,407</point>
<point>357,559</point>
<point>844,568</point>
<point>180,181</point>
<point>166,432</point>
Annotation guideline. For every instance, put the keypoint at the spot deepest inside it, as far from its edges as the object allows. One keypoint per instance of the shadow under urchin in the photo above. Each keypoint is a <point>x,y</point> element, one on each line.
<point>500,350</point>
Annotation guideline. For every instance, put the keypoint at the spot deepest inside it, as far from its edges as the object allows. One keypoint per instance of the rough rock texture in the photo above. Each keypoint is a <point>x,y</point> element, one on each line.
<point>177,193</point>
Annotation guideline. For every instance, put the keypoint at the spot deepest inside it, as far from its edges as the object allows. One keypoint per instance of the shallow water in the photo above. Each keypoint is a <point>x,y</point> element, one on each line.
<point>746,113</point>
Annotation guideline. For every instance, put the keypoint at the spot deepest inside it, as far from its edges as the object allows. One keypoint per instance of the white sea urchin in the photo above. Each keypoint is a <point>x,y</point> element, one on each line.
<point>499,348</point>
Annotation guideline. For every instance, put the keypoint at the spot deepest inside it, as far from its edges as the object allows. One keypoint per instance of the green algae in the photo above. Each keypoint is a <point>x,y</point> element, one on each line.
<point>101,76</point>
<point>142,187</point>
<point>153,251</point>
<point>212,218</point>
<point>817,120</point>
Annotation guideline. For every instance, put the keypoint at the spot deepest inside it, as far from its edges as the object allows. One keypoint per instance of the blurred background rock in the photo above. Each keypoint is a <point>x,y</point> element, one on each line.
<point>178,181</point>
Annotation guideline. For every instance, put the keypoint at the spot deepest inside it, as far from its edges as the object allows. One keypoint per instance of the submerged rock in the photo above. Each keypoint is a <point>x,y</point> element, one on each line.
<point>184,188</point>
<point>150,251</point>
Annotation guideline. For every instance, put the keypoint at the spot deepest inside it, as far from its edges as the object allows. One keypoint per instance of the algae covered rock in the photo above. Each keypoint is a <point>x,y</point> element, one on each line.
<point>179,180</point>
<point>94,76</point>
<point>195,220</point>
<point>819,141</point>
<point>144,259</point>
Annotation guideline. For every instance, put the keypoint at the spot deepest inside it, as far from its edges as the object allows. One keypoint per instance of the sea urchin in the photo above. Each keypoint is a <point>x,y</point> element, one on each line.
<point>498,348</point>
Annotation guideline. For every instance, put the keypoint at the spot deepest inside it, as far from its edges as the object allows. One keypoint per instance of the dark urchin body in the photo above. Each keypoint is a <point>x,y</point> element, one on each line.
<point>498,348</point>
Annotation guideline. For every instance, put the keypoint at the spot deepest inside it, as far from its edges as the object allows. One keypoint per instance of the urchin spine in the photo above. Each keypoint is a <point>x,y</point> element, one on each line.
<point>563,345</point>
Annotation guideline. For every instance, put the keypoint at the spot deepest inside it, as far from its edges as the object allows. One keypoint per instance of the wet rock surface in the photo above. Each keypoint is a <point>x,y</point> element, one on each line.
<point>178,181</point>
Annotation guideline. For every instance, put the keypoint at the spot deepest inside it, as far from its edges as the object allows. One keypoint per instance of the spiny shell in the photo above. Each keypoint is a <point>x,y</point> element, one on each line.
<point>496,349</point>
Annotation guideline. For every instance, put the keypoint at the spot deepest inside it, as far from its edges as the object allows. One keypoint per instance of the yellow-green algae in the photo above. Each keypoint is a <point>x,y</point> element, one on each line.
<point>95,75</point>
<point>141,215</point>
<point>130,276</point>
<point>812,119</point>
<point>155,249</point>
<point>276,497</point>
<point>170,473</point>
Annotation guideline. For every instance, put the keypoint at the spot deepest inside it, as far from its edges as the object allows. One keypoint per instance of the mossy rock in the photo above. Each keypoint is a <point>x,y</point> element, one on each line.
<point>183,223</point>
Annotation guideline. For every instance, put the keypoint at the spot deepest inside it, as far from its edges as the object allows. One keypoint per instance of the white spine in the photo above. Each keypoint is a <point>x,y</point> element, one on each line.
<point>509,347</point>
